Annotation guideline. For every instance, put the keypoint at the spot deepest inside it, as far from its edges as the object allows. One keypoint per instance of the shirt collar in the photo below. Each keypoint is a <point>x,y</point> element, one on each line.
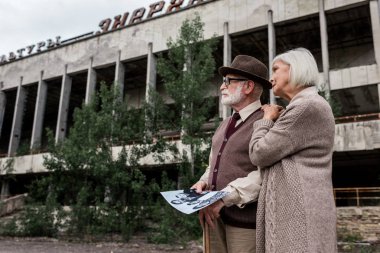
<point>249,109</point>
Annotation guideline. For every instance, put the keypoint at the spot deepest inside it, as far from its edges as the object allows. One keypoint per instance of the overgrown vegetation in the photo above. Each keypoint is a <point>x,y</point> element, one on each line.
<point>97,186</point>
<point>332,100</point>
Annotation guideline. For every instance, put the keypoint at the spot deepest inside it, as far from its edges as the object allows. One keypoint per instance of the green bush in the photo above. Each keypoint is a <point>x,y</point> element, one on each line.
<point>9,228</point>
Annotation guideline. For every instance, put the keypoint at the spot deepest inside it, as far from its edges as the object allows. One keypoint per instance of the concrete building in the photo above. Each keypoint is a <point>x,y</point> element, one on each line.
<point>42,84</point>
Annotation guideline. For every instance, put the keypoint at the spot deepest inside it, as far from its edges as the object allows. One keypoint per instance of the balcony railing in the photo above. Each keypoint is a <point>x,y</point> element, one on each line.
<point>365,196</point>
<point>357,118</point>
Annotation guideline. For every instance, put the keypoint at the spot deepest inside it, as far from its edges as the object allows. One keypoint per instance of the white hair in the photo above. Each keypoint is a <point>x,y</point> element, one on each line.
<point>303,69</point>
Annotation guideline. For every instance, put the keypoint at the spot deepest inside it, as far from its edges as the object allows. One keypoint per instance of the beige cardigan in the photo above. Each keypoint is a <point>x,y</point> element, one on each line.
<point>296,209</point>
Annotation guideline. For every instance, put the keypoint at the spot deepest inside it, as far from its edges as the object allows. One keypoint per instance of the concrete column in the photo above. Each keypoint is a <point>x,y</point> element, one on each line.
<point>119,75</point>
<point>39,114</point>
<point>226,110</point>
<point>151,79</point>
<point>91,82</point>
<point>324,47</point>
<point>3,102</point>
<point>375,21</point>
<point>17,120</point>
<point>151,74</point>
<point>4,190</point>
<point>378,92</point>
<point>63,107</point>
<point>271,51</point>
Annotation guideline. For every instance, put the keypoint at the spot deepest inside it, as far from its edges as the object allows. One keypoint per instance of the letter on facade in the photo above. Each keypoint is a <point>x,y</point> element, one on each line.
<point>50,43</point>
<point>137,15</point>
<point>39,45</point>
<point>174,4</point>
<point>20,52</point>
<point>12,56</point>
<point>156,7</point>
<point>105,24</point>
<point>3,59</point>
<point>119,21</point>
<point>30,48</point>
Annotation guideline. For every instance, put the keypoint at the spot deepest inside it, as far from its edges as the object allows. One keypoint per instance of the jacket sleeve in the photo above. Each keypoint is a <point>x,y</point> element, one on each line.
<point>205,175</point>
<point>271,141</point>
<point>243,190</point>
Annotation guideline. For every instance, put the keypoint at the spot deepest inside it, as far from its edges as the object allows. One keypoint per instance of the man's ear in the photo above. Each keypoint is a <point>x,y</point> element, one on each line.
<point>250,86</point>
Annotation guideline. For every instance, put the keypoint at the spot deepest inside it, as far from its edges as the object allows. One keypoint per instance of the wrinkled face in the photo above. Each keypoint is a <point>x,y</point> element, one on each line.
<point>232,93</point>
<point>280,78</point>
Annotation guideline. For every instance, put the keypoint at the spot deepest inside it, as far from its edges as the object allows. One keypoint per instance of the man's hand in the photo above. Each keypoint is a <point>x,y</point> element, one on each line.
<point>211,213</point>
<point>199,186</point>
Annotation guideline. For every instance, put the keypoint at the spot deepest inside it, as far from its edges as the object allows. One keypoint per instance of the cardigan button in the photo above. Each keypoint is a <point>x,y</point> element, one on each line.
<point>219,154</point>
<point>225,140</point>
<point>216,170</point>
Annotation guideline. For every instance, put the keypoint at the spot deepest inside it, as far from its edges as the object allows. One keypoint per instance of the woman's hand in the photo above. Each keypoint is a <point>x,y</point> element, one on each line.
<point>271,111</point>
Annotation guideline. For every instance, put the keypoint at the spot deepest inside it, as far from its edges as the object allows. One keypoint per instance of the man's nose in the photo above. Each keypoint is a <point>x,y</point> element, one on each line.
<point>223,86</point>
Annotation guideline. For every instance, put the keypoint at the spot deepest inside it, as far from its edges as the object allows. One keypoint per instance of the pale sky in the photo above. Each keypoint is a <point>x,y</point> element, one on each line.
<point>27,22</point>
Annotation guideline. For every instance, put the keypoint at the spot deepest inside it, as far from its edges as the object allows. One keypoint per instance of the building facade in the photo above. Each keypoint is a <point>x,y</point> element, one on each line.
<point>42,84</point>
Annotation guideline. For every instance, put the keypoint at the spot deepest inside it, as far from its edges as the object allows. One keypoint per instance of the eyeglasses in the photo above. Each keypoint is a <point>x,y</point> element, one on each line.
<point>227,80</point>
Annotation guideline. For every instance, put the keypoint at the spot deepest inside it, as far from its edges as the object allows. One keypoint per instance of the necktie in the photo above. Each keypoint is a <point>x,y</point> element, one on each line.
<point>231,127</point>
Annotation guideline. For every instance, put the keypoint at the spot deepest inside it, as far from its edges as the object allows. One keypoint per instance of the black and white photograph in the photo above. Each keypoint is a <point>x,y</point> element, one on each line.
<point>188,201</point>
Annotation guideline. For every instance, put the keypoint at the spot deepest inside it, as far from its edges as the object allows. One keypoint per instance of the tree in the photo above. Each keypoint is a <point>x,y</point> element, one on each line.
<point>186,72</point>
<point>94,171</point>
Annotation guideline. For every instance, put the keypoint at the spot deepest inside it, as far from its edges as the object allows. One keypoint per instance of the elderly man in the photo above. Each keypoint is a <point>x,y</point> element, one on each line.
<point>233,218</point>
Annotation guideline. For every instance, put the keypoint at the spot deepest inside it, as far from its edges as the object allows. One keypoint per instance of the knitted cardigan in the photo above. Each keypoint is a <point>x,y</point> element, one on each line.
<point>296,208</point>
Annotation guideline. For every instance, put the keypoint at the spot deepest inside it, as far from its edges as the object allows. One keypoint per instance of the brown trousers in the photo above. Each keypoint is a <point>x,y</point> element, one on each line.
<point>229,239</point>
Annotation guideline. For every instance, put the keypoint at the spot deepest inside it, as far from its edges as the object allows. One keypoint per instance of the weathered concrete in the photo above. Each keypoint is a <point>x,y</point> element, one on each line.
<point>3,102</point>
<point>359,221</point>
<point>119,74</point>
<point>271,50</point>
<point>4,193</point>
<point>363,135</point>
<point>375,22</point>
<point>225,111</point>
<point>64,102</point>
<point>324,46</point>
<point>17,119</point>
<point>151,73</point>
<point>39,113</point>
<point>354,77</point>
<point>333,4</point>
<point>91,82</point>
<point>12,204</point>
<point>34,163</point>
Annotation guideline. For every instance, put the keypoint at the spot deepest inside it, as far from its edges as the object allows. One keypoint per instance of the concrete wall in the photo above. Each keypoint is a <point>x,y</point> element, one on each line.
<point>362,221</point>
<point>363,135</point>
<point>34,163</point>
<point>355,76</point>
<point>12,204</point>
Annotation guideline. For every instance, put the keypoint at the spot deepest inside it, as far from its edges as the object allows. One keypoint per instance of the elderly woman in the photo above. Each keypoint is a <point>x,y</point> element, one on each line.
<point>293,149</point>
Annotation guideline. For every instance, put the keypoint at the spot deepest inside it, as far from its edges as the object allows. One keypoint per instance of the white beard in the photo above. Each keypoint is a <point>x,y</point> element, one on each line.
<point>232,98</point>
